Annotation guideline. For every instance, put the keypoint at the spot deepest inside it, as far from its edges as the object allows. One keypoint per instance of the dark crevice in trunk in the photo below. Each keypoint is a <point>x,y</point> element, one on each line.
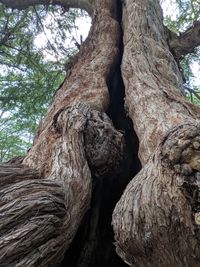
<point>93,245</point>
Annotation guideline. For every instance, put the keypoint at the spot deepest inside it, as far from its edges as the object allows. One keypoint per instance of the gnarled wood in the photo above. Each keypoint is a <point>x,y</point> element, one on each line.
<point>40,216</point>
<point>66,142</point>
<point>156,222</point>
<point>32,213</point>
<point>157,219</point>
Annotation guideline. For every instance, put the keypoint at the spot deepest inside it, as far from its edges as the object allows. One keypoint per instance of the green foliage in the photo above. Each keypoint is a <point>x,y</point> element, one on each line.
<point>185,13</point>
<point>30,74</point>
<point>11,143</point>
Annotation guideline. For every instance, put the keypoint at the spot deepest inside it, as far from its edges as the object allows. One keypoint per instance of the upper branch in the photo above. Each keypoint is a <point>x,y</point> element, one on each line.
<point>22,4</point>
<point>186,42</point>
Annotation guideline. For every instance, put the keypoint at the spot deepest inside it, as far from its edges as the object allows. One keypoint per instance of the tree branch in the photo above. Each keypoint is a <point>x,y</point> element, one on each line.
<point>192,91</point>
<point>186,42</point>
<point>87,5</point>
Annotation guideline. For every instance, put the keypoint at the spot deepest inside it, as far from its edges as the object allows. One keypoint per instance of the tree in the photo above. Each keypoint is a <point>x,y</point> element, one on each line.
<point>28,78</point>
<point>62,195</point>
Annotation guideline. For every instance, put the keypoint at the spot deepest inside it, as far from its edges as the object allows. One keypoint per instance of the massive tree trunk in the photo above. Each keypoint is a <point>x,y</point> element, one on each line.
<point>57,203</point>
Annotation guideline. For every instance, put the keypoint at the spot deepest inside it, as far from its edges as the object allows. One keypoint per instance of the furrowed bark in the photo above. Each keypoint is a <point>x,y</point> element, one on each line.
<point>151,76</point>
<point>75,132</point>
<point>31,225</point>
<point>186,42</point>
<point>87,82</point>
<point>41,216</point>
<point>156,221</point>
<point>32,212</point>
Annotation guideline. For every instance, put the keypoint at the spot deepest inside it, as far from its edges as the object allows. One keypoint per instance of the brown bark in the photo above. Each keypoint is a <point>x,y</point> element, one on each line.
<point>186,42</point>
<point>151,76</point>
<point>75,132</point>
<point>22,4</point>
<point>156,221</point>
<point>87,82</point>
<point>32,214</point>
<point>77,150</point>
<point>41,216</point>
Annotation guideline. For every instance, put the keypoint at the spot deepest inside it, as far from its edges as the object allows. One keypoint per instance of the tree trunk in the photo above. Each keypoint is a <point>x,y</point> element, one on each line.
<point>62,196</point>
<point>156,222</point>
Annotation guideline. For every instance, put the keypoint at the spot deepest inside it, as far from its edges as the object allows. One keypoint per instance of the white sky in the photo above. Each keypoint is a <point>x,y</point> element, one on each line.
<point>83,26</point>
<point>196,71</point>
<point>169,8</point>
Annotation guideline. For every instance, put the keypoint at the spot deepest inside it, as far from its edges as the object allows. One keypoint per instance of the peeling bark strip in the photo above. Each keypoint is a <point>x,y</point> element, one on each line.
<point>156,221</point>
<point>40,216</point>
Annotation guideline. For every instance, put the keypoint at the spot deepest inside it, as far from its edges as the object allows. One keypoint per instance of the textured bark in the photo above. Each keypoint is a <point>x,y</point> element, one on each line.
<point>150,68</point>
<point>71,136</point>
<point>72,164</point>
<point>156,221</point>
<point>40,216</point>
<point>93,244</point>
<point>86,83</point>
<point>32,214</point>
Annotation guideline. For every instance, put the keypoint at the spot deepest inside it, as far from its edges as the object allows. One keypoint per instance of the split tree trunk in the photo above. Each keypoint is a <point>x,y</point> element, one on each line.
<point>74,174</point>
